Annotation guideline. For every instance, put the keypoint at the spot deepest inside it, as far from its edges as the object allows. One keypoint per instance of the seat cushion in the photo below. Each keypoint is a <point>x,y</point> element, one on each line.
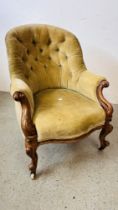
<point>65,114</point>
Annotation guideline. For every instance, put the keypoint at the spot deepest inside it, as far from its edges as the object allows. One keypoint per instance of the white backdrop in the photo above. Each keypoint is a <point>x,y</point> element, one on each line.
<point>95,22</point>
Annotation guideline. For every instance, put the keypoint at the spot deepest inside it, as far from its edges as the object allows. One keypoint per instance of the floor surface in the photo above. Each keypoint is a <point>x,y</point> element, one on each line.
<point>69,176</point>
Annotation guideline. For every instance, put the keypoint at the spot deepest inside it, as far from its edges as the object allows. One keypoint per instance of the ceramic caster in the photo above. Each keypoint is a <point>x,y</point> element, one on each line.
<point>32,176</point>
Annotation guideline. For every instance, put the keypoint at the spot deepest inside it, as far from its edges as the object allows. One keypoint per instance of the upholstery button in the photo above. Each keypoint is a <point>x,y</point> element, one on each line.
<point>49,57</point>
<point>31,68</point>
<point>41,50</point>
<point>60,65</point>
<point>23,59</point>
<point>45,66</point>
<point>26,76</point>
<point>28,52</point>
<point>66,57</point>
<point>49,41</point>
<point>33,42</point>
<point>36,59</point>
<point>57,49</point>
<point>63,39</point>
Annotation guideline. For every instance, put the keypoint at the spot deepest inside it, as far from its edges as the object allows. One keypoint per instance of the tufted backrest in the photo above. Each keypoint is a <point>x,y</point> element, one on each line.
<point>44,56</point>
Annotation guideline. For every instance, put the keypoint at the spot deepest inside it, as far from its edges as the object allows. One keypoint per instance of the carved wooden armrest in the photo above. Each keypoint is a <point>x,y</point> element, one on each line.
<point>103,102</point>
<point>27,125</point>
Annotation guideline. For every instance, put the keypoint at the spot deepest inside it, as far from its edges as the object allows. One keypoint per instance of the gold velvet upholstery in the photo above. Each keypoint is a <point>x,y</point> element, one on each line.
<point>62,113</point>
<point>46,64</point>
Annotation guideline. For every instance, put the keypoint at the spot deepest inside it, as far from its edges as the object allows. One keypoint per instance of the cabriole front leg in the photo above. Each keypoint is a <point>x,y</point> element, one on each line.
<point>31,148</point>
<point>107,128</point>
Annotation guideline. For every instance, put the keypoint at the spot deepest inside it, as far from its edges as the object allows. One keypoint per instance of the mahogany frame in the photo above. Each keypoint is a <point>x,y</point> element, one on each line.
<point>29,129</point>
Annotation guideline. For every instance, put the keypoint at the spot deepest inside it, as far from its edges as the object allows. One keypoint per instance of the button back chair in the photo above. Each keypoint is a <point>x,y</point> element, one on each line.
<point>57,99</point>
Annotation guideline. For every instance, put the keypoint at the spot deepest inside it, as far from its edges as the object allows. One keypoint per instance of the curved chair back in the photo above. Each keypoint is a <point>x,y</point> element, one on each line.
<point>44,56</point>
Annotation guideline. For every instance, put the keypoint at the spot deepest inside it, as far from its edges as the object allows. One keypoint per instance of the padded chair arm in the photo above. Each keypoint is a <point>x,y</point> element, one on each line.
<point>88,83</point>
<point>18,85</point>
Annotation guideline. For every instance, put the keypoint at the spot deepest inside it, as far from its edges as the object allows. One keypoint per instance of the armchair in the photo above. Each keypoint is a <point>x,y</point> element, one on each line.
<point>57,99</point>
